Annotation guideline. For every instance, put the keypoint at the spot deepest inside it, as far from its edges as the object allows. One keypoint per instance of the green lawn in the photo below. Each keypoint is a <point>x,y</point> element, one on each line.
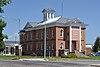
<point>51,58</point>
<point>95,57</point>
<point>14,57</point>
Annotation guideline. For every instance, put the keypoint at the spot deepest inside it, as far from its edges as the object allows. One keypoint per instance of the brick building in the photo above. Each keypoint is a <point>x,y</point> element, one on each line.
<point>89,49</point>
<point>62,35</point>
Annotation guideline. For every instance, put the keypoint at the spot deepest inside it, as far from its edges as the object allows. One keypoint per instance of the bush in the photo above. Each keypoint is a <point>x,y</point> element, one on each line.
<point>71,55</point>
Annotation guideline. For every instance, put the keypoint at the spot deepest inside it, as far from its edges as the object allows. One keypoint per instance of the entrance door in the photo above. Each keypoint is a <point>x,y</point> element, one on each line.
<point>73,46</point>
<point>12,50</point>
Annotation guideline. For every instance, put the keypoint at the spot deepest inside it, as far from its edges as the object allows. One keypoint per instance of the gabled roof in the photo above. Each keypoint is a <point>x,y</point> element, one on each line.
<point>62,20</point>
<point>30,25</point>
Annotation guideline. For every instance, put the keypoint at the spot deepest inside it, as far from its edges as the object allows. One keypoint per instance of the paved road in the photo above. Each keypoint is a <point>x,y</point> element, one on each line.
<point>70,63</point>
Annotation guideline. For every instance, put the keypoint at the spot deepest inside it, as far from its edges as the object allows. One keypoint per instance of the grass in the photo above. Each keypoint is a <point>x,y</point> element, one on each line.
<point>95,57</point>
<point>14,57</point>
<point>78,58</point>
<point>51,58</point>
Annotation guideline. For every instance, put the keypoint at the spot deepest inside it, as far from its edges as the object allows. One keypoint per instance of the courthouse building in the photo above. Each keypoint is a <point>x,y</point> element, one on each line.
<point>63,35</point>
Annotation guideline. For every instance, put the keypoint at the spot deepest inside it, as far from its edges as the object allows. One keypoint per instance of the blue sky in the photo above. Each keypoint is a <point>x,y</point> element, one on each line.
<point>87,11</point>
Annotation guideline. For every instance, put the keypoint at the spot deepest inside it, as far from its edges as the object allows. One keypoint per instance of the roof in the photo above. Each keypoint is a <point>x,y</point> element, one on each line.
<point>30,25</point>
<point>11,43</point>
<point>49,10</point>
<point>57,20</point>
<point>89,46</point>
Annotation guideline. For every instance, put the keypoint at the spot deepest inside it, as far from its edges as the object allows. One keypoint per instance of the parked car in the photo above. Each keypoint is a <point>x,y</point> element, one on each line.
<point>97,54</point>
<point>33,54</point>
<point>92,55</point>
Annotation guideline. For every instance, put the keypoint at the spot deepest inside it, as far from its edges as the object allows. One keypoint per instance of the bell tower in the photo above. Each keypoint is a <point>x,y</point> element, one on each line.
<point>48,14</point>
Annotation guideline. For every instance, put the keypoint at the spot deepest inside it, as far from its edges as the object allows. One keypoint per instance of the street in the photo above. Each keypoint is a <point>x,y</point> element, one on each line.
<point>69,63</point>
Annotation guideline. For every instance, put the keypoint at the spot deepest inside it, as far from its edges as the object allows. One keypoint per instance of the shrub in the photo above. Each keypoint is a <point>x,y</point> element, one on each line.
<point>71,55</point>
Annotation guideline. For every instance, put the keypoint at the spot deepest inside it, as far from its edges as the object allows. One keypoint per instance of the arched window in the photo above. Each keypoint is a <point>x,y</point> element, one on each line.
<point>61,33</point>
<point>61,46</point>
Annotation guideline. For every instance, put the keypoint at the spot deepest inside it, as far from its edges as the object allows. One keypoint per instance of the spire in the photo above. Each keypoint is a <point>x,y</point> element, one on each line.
<point>48,14</point>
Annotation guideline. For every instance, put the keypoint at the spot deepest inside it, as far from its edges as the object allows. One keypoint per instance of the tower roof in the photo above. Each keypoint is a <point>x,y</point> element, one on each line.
<point>48,10</point>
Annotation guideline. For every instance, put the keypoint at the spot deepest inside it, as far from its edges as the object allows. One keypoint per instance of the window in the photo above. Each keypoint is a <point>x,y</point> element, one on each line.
<point>29,36</point>
<point>7,50</point>
<point>41,34</point>
<point>61,46</point>
<point>36,46</point>
<point>41,46</point>
<point>52,15</point>
<point>36,35</point>
<point>31,46</point>
<point>52,33</point>
<point>47,34</point>
<point>61,33</point>
<point>53,46</point>
<point>27,47</point>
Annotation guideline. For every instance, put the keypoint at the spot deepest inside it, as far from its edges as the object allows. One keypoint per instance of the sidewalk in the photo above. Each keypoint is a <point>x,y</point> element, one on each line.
<point>98,65</point>
<point>34,59</point>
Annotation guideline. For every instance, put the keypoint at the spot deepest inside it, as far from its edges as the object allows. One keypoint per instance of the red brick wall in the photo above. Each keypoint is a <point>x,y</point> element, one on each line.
<point>57,39</point>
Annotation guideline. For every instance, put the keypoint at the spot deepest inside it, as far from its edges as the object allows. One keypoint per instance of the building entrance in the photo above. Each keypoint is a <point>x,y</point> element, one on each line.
<point>73,46</point>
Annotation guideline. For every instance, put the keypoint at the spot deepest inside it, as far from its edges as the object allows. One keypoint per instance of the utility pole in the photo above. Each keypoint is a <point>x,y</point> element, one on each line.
<point>62,8</point>
<point>20,47</point>
<point>45,41</point>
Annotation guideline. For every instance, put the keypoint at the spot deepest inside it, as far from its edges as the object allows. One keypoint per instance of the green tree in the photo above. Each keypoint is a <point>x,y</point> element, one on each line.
<point>2,23</point>
<point>96,46</point>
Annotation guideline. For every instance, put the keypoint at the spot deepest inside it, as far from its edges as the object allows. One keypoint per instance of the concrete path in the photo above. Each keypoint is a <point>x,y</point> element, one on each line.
<point>34,59</point>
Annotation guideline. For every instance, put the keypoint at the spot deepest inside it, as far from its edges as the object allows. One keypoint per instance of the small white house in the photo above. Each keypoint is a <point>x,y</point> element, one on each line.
<point>11,48</point>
